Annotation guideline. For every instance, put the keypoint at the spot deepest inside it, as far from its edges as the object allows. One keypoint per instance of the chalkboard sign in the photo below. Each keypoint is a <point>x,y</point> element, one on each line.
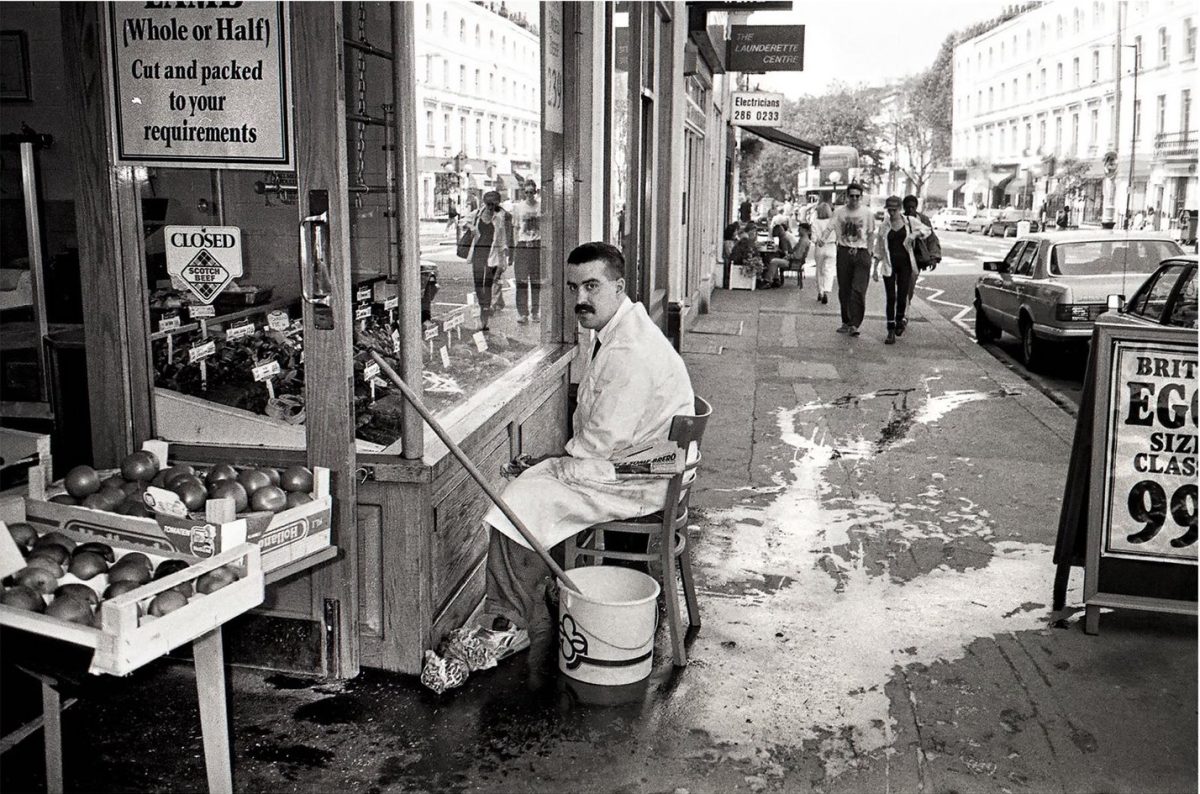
<point>1141,537</point>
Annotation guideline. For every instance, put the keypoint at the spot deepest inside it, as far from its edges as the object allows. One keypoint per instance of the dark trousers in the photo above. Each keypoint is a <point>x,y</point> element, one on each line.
<point>485,278</point>
<point>527,266</point>
<point>516,584</point>
<point>896,288</point>
<point>853,275</point>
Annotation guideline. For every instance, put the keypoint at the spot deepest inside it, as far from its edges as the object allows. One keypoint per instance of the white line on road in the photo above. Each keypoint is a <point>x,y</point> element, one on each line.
<point>959,318</point>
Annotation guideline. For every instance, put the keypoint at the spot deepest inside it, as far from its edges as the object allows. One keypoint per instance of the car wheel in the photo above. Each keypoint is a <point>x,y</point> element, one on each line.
<point>985,330</point>
<point>1032,348</point>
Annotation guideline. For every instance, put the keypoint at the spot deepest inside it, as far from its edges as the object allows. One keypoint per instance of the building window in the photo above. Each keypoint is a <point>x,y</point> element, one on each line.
<point>1094,133</point>
<point>1028,135</point>
<point>1095,66</point>
<point>1185,110</point>
<point>446,73</point>
<point>429,128</point>
<point>1189,40</point>
<point>428,17</point>
<point>462,133</point>
<point>491,136</point>
<point>445,23</point>
<point>428,70</point>
<point>1014,89</point>
<point>491,40</point>
<point>1042,84</point>
<point>1058,74</point>
<point>462,79</point>
<point>1075,133</point>
<point>1160,113</point>
<point>504,137</point>
<point>478,40</point>
<point>1075,72</point>
<point>479,137</point>
<point>1095,14</point>
<point>1137,120</point>
<point>446,129</point>
<point>1003,94</point>
<point>989,57</point>
<point>478,84</point>
<point>1029,84</point>
<point>1137,53</point>
<point>1042,134</point>
<point>1043,35</point>
<point>1058,125</point>
<point>1028,41</point>
<point>1078,20</point>
<point>1164,53</point>
<point>1058,27</point>
<point>991,98</point>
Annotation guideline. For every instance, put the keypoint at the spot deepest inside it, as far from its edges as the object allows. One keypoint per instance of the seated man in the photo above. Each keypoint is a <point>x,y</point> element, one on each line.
<point>634,385</point>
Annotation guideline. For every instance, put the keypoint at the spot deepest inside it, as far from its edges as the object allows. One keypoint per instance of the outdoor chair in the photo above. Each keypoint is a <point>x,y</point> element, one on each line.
<point>669,526</point>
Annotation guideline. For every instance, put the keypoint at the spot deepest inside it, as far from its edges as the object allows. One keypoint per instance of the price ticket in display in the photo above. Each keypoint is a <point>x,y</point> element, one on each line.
<point>265,371</point>
<point>239,331</point>
<point>390,303</point>
<point>169,323</point>
<point>362,313</point>
<point>201,351</point>
<point>432,332</point>
<point>480,341</point>
<point>278,320</point>
<point>453,321</point>
<point>363,294</point>
<point>370,370</point>
<point>445,356</point>
<point>200,311</point>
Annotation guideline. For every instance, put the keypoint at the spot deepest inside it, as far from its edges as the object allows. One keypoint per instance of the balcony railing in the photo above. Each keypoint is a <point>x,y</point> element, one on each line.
<point>1177,144</point>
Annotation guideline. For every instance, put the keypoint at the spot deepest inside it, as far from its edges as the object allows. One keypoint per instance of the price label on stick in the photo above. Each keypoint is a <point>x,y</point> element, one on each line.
<point>199,312</point>
<point>370,370</point>
<point>239,331</point>
<point>391,303</point>
<point>362,313</point>
<point>363,294</point>
<point>278,320</point>
<point>445,356</point>
<point>169,323</point>
<point>266,370</point>
<point>480,341</point>
<point>201,351</point>
<point>432,332</point>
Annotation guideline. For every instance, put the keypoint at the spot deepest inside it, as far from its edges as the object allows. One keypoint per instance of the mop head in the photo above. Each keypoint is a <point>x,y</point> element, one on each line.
<point>441,674</point>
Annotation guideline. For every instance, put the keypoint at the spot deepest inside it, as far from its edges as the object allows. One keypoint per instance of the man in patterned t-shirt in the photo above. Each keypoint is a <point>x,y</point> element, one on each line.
<point>853,226</point>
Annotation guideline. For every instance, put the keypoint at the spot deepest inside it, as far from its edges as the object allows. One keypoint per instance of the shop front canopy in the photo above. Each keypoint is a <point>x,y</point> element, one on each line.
<point>790,141</point>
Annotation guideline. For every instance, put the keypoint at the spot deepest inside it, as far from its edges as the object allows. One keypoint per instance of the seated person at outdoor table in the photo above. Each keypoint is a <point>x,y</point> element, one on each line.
<point>634,385</point>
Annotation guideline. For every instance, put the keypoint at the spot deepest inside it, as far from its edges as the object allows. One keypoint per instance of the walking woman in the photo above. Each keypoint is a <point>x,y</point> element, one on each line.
<point>491,252</point>
<point>893,256</point>
<point>821,254</point>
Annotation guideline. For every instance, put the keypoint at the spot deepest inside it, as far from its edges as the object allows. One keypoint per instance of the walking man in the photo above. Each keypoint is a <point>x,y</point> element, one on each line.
<point>527,218</point>
<point>928,252</point>
<point>853,227</point>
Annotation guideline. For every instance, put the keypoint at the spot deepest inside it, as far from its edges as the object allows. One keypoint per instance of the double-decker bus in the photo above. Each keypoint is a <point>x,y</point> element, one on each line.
<point>827,181</point>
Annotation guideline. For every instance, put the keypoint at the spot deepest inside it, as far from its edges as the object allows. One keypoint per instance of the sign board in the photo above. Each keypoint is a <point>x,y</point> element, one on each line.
<point>206,259</point>
<point>1142,510</point>
<point>755,109</point>
<point>200,85</point>
<point>766,48</point>
<point>552,67</point>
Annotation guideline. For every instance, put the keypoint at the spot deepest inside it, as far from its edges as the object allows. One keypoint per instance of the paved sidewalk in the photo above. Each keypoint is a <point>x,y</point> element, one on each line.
<point>873,534</point>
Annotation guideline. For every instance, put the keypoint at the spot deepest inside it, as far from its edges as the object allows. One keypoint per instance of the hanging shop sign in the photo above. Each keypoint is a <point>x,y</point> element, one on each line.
<point>766,48</point>
<point>1129,508</point>
<point>200,86</point>
<point>552,68</point>
<point>755,109</point>
<point>205,259</point>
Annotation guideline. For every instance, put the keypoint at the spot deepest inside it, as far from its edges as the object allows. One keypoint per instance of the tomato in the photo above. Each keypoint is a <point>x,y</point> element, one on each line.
<point>231,489</point>
<point>270,498</point>
<point>82,481</point>
<point>296,479</point>
<point>253,479</point>
<point>141,466</point>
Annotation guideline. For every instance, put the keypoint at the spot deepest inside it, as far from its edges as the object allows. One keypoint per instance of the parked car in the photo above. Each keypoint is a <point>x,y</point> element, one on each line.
<point>952,219</point>
<point>981,221</point>
<point>1051,289</point>
<point>1005,224</point>
<point>1167,298</point>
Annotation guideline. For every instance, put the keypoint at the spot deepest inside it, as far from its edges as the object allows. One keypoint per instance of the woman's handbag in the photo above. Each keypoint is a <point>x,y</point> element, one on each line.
<point>464,243</point>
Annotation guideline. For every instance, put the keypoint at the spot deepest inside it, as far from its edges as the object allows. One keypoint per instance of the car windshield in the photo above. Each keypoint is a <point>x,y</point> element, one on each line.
<point>1109,257</point>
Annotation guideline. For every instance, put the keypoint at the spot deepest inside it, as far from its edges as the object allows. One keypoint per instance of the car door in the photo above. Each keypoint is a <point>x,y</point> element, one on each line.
<point>1182,312</point>
<point>1025,283</point>
<point>998,291</point>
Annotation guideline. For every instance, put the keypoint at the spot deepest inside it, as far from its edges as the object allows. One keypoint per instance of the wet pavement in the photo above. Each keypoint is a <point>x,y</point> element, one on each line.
<point>874,529</point>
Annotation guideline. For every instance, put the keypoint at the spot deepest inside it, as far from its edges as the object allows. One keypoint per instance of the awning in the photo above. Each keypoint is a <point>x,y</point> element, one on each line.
<point>1001,178</point>
<point>956,185</point>
<point>1019,184</point>
<point>790,141</point>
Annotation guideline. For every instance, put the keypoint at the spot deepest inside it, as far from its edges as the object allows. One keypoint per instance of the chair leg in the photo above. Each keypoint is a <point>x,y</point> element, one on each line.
<point>689,584</point>
<point>671,596</point>
<point>570,553</point>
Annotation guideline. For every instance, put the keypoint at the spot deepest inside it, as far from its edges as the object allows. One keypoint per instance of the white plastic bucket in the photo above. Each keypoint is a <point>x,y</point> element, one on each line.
<point>606,633</point>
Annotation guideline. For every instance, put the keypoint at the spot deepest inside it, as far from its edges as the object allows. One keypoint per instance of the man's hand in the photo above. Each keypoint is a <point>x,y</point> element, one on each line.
<point>520,463</point>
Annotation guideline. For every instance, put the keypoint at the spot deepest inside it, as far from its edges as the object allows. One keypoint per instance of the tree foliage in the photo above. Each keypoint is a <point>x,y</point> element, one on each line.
<point>921,126</point>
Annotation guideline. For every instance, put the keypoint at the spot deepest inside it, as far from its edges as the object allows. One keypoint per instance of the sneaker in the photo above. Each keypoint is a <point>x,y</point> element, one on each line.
<point>845,329</point>
<point>522,320</point>
<point>891,338</point>
<point>854,330</point>
<point>537,318</point>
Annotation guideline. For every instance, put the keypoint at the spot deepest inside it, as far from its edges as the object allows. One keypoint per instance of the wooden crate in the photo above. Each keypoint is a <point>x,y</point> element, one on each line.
<point>128,638</point>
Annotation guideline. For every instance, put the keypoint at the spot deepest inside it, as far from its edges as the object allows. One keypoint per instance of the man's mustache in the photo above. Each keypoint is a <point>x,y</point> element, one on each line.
<point>580,308</point>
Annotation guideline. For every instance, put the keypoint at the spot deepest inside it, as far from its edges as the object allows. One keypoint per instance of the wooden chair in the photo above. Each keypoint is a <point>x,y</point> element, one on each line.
<point>669,526</point>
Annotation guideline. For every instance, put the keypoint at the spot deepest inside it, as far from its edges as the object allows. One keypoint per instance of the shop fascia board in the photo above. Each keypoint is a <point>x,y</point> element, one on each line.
<point>710,39</point>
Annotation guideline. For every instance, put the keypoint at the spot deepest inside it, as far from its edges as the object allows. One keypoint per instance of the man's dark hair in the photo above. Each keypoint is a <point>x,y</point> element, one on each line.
<point>909,200</point>
<point>610,255</point>
<point>854,186</point>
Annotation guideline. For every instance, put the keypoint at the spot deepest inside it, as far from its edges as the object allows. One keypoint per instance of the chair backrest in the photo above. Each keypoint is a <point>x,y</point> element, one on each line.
<point>687,432</point>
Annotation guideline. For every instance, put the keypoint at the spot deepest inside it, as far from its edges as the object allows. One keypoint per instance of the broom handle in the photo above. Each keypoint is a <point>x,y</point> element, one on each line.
<point>474,472</point>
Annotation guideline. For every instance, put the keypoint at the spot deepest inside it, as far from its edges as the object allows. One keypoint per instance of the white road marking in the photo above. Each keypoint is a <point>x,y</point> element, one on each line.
<point>958,319</point>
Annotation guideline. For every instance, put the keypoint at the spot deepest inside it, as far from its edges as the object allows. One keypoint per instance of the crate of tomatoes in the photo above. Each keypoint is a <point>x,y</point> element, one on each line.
<point>152,503</point>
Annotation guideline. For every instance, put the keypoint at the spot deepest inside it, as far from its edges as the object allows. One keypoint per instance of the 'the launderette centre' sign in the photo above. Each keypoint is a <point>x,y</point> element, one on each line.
<point>200,87</point>
<point>766,48</point>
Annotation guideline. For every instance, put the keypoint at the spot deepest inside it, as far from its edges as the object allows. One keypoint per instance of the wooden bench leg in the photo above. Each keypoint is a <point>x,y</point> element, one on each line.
<point>52,734</point>
<point>214,715</point>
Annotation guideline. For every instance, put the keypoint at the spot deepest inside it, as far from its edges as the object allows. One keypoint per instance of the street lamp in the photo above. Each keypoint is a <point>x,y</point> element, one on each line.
<point>1135,121</point>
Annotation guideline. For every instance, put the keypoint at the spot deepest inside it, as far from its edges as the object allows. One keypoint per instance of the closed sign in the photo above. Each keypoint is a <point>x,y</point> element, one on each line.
<point>205,259</point>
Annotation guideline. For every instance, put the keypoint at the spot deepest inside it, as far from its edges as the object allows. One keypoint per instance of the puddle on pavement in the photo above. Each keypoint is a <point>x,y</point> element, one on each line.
<point>851,612</point>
